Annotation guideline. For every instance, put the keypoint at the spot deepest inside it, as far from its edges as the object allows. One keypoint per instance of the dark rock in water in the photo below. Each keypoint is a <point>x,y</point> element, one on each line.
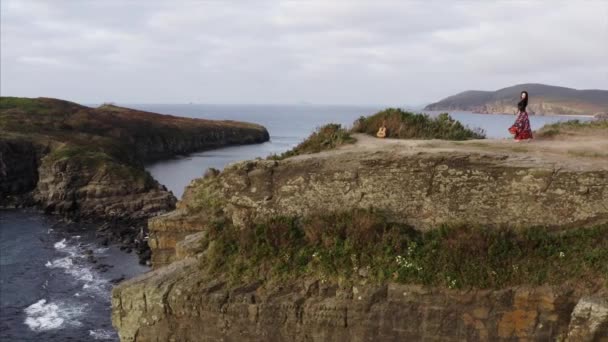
<point>144,257</point>
<point>102,267</point>
<point>117,280</point>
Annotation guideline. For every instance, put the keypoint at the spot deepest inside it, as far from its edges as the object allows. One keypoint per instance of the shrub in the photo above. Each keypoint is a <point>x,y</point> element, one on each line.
<point>406,125</point>
<point>324,138</point>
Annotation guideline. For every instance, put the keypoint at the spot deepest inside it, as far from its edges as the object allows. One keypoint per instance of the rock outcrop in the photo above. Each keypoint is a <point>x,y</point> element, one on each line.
<point>181,303</point>
<point>74,188</point>
<point>422,184</point>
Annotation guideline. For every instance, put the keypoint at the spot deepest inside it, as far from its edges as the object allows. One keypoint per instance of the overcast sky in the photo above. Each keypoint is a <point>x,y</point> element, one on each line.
<point>326,52</point>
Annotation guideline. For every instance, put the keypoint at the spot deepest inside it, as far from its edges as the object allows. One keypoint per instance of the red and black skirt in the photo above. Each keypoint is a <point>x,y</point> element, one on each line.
<point>521,128</point>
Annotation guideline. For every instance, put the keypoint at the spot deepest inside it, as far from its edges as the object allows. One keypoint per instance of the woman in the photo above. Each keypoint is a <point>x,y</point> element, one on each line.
<point>521,128</point>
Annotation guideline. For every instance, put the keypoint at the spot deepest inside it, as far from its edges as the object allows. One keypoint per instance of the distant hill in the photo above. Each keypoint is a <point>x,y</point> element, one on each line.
<point>544,99</point>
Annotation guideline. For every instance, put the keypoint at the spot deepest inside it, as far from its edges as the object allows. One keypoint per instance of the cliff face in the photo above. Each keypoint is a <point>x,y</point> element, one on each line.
<point>75,188</point>
<point>181,303</point>
<point>18,166</point>
<point>421,186</point>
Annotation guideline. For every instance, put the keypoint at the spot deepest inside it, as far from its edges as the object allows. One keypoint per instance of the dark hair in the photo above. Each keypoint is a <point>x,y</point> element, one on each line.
<point>523,103</point>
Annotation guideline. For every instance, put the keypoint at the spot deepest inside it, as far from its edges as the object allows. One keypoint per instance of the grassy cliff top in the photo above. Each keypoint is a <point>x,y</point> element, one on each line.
<point>574,128</point>
<point>112,130</point>
<point>112,138</point>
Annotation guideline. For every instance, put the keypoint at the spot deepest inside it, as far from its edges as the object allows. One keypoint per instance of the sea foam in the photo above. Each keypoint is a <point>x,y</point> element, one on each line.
<point>43,316</point>
<point>74,264</point>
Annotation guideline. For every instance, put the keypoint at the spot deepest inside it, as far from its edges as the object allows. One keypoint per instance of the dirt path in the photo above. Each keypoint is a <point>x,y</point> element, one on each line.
<point>588,152</point>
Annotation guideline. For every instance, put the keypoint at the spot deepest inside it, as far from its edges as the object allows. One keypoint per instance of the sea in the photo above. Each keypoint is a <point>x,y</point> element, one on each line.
<point>56,279</point>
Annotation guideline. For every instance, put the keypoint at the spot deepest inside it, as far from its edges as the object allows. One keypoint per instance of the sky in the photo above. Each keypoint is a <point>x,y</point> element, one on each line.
<point>321,52</point>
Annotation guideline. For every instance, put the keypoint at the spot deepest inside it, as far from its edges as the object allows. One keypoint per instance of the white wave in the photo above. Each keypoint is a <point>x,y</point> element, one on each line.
<point>60,245</point>
<point>100,250</point>
<point>75,266</point>
<point>65,263</point>
<point>102,334</point>
<point>43,316</point>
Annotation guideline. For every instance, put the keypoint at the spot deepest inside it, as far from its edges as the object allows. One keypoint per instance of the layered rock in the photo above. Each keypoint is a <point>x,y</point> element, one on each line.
<point>74,188</point>
<point>180,302</point>
<point>422,189</point>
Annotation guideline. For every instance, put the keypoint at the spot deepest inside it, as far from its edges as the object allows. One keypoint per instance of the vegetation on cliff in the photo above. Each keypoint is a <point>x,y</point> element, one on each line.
<point>544,99</point>
<point>400,125</point>
<point>346,246</point>
<point>405,125</point>
<point>573,128</point>
<point>324,138</point>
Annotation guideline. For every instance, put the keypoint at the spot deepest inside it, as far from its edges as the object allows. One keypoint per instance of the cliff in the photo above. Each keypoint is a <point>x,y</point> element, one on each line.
<point>544,99</point>
<point>88,162</point>
<point>374,241</point>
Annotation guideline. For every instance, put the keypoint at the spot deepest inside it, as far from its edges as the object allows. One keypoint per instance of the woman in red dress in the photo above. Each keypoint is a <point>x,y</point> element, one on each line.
<point>521,128</point>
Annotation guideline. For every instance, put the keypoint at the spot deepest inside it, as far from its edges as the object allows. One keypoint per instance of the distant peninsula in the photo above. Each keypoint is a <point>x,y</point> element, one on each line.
<point>86,163</point>
<point>544,100</point>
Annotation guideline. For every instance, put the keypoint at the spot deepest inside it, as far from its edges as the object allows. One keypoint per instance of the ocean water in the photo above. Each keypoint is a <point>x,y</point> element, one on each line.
<point>50,290</point>
<point>55,281</point>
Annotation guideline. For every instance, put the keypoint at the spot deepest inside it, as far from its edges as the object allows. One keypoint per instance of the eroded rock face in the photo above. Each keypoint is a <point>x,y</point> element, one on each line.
<point>424,190</point>
<point>73,188</point>
<point>179,302</point>
<point>18,167</point>
<point>589,321</point>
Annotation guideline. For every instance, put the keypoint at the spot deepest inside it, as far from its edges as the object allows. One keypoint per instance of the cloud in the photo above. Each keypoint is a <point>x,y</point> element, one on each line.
<point>381,52</point>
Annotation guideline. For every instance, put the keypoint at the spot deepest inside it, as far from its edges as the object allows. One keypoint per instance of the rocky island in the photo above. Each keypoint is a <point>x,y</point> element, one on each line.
<point>544,99</point>
<point>88,163</point>
<point>352,238</point>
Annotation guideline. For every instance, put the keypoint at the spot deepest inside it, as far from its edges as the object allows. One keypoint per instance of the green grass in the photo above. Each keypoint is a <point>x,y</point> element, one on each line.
<point>325,138</point>
<point>337,246</point>
<point>405,125</point>
<point>571,126</point>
